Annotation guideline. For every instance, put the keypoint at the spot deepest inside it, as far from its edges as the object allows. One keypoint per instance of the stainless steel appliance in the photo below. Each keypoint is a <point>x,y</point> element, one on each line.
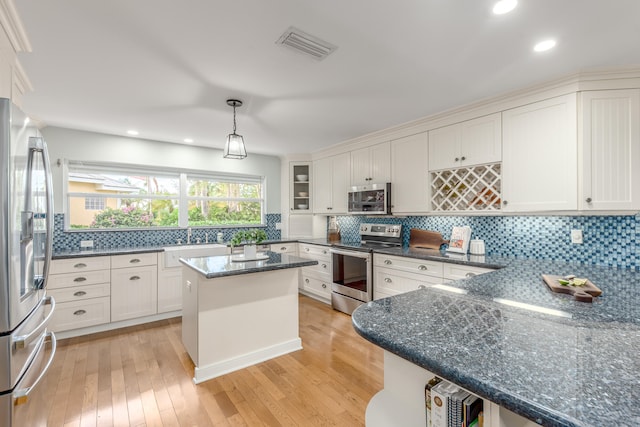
<point>26,230</point>
<point>370,199</point>
<point>352,265</point>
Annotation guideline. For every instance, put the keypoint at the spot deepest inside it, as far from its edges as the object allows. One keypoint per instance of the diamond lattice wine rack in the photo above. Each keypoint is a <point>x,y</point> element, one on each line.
<point>475,188</point>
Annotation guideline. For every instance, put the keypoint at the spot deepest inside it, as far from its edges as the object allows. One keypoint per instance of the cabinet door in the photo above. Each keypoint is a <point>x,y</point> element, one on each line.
<point>300,188</point>
<point>409,174</point>
<point>134,292</point>
<point>381,163</point>
<point>540,156</point>
<point>340,183</point>
<point>481,140</point>
<point>444,147</point>
<point>322,187</point>
<point>610,150</point>
<point>170,290</point>
<point>361,167</point>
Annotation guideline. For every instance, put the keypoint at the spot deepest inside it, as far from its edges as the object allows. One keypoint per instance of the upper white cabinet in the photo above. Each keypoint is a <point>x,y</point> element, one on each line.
<point>371,165</point>
<point>331,184</point>
<point>300,187</point>
<point>610,150</point>
<point>539,156</point>
<point>472,142</point>
<point>409,174</point>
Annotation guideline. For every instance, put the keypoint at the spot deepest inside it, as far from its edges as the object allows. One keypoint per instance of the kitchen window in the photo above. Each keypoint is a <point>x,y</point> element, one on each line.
<point>118,197</point>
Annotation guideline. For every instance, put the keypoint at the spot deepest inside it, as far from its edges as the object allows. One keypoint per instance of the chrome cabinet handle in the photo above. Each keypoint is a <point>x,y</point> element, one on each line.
<point>463,158</point>
<point>422,267</point>
<point>306,249</point>
<point>588,200</point>
<point>134,261</point>
<point>306,280</point>
<point>134,278</point>
<point>324,252</point>
<point>79,312</point>
<point>387,261</point>
<point>21,396</point>
<point>80,265</point>
<point>387,280</point>
<point>505,202</point>
<point>422,287</point>
<point>79,294</point>
<point>324,265</point>
<point>469,274</point>
<point>80,279</point>
<point>284,248</point>
<point>456,159</point>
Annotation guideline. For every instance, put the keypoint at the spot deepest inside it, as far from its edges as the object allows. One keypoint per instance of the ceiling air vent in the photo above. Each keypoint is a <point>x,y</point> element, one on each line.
<point>306,44</point>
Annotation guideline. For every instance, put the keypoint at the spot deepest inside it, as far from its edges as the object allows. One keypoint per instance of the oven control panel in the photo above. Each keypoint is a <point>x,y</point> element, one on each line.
<point>383,230</point>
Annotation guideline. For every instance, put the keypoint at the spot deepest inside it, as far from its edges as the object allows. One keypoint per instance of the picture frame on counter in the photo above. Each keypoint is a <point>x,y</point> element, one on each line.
<point>460,238</point>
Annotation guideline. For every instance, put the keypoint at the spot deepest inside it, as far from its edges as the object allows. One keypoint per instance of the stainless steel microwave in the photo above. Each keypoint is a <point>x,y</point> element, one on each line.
<point>370,199</point>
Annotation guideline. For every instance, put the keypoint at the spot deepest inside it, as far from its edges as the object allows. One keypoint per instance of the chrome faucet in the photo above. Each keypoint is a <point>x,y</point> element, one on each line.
<point>188,235</point>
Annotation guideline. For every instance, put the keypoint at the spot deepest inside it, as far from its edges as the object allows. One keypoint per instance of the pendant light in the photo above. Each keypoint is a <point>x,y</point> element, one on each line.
<point>234,147</point>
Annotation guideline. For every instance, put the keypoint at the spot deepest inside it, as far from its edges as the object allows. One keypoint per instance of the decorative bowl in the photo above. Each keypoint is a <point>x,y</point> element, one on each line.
<point>303,194</point>
<point>302,177</point>
<point>303,206</point>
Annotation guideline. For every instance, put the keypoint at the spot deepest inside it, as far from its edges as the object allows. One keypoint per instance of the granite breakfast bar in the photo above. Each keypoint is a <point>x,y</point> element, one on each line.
<point>236,314</point>
<point>535,357</point>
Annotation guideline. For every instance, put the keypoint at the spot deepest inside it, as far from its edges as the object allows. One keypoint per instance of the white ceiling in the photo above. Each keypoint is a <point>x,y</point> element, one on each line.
<point>166,67</point>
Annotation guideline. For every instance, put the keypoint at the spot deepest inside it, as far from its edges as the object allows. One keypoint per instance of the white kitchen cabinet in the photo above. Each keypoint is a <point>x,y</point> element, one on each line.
<point>610,150</point>
<point>371,165</point>
<point>169,286</point>
<point>409,174</point>
<point>472,142</point>
<point>134,290</point>
<point>331,184</point>
<point>290,248</point>
<point>539,156</point>
<point>461,271</point>
<point>300,187</point>
<point>81,288</point>
<point>315,280</point>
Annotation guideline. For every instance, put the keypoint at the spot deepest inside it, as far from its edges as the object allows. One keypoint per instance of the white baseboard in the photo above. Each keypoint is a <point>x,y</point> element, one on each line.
<point>205,373</point>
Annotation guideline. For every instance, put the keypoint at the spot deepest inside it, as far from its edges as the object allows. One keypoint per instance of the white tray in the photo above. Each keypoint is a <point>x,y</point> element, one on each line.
<point>241,258</point>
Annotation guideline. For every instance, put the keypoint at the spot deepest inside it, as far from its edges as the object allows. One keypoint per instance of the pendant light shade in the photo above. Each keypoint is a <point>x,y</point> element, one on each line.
<point>234,147</point>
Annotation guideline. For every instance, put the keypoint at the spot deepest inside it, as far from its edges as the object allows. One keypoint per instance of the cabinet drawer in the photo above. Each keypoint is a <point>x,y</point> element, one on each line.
<point>80,314</point>
<point>134,260</point>
<point>322,270</point>
<point>411,265</point>
<point>79,293</point>
<point>314,252</point>
<point>392,282</point>
<point>72,265</point>
<point>284,248</point>
<point>57,281</point>
<point>316,286</point>
<point>458,271</point>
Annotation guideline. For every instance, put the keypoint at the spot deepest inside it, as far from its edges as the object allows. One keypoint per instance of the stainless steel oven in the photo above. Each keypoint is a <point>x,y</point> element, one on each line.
<point>351,279</point>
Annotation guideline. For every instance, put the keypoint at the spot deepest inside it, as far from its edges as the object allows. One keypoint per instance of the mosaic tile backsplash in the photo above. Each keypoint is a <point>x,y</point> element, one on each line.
<point>70,241</point>
<point>612,241</point>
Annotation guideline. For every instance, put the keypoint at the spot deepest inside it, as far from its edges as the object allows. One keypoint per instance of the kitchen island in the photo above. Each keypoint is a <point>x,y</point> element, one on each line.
<point>529,353</point>
<point>237,314</point>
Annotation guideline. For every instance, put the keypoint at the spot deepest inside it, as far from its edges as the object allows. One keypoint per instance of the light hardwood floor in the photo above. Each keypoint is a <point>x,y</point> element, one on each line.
<point>142,376</point>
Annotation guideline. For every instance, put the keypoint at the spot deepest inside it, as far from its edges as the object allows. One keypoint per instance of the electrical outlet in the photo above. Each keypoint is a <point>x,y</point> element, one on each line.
<point>576,237</point>
<point>86,243</point>
<point>278,226</point>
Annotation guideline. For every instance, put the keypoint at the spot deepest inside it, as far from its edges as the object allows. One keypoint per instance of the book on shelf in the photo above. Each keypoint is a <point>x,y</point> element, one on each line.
<point>427,397</point>
<point>452,406</point>
<point>471,408</point>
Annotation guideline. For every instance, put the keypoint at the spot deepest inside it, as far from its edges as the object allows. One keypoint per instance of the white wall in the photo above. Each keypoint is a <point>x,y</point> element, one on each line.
<point>89,146</point>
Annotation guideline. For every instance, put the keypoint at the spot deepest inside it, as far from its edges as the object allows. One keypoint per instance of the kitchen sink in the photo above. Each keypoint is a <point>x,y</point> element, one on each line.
<point>172,254</point>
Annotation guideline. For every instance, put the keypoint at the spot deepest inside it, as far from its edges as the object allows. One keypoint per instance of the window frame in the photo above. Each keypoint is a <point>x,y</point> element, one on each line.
<point>183,175</point>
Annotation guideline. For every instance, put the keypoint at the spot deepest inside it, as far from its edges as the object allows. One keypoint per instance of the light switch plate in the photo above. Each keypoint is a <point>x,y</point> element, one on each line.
<point>278,226</point>
<point>576,237</point>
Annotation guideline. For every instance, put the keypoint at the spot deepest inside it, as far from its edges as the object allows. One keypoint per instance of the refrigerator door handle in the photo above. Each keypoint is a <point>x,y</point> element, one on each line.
<point>21,341</point>
<point>21,396</point>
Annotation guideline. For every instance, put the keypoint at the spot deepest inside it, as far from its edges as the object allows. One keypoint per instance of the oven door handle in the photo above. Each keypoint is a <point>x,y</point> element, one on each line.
<point>355,254</point>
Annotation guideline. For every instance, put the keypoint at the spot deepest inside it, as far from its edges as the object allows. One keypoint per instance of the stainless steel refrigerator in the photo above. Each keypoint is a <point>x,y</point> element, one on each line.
<point>26,231</point>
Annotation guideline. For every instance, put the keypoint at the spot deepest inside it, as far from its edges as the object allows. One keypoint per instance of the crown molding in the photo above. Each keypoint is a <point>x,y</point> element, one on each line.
<point>12,25</point>
<point>20,78</point>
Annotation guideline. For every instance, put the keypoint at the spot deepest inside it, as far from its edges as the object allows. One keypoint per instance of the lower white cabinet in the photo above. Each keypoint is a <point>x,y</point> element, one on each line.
<point>460,271</point>
<point>315,280</point>
<point>134,292</point>
<point>80,313</point>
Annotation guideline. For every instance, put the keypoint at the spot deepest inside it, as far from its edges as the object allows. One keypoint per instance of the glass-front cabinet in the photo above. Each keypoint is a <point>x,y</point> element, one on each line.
<point>300,187</point>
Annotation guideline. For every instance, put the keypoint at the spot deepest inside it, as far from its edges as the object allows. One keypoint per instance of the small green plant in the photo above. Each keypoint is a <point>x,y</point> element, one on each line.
<point>253,236</point>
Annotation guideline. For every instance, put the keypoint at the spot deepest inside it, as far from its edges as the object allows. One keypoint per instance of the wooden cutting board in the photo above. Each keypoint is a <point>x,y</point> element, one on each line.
<point>425,239</point>
<point>584,293</point>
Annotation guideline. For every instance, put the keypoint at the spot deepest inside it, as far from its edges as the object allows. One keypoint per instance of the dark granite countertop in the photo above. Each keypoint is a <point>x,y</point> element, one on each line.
<point>222,265</point>
<point>504,336</point>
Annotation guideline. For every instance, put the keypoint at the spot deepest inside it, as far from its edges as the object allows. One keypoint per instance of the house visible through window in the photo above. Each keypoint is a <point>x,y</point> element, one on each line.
<point>101,196</point>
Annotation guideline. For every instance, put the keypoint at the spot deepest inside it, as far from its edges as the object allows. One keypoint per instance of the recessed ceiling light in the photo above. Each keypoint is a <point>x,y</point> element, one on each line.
<point>504,6</point>
<point>132,132</point>
<point>188,140</point>
<point>544,45</point>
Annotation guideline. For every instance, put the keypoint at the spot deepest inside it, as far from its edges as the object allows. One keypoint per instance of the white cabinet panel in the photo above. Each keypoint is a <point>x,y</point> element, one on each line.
<point>80,314</point>
<point>331,184</point>
<point>393,282</point>
<point>610,150</point>
<point>73,265</point>
<point>539,158</point>
<point>134,292</point>
<point>170,290</point>
<point>134,260</point>
<point>371,165</point>
<point>409,174</point>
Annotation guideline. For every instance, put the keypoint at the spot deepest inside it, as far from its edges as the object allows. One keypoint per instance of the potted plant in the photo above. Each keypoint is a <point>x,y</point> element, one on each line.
<point>250,238</point>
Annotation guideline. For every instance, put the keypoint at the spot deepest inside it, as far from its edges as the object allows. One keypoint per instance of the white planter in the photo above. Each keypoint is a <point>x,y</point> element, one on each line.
<point>249,251</point>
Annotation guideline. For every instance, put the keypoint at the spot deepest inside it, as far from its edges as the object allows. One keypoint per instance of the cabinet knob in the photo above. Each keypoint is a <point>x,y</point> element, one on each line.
<point>324,251</point>
<point>469,274</point>
<point>324,265</point>
<point>79,312</point>
<point>422,267</point>
<point>463,158</point>
<point>588,200</point>
<point>387,261</point>
<point>386,279</point>
<point>306,280</point>
<point>324,285</point>
<point>422,287</point>
<point>505,202</point>
<point>306,249</point>
<point>456,159</point>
